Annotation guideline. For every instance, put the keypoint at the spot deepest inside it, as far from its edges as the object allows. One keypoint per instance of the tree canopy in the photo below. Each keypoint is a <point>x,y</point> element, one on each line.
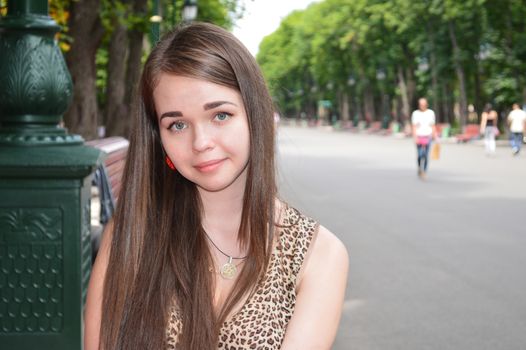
<point>374,58</point>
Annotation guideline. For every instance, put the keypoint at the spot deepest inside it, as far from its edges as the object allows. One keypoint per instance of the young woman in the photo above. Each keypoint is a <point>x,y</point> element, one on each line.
<point>488,127</point>
<point>202,254</point>
<point>424,132</point>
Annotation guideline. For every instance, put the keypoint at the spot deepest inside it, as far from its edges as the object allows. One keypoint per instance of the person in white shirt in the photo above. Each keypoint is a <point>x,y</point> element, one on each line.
<point>424,131</point>
<point>517,122</point>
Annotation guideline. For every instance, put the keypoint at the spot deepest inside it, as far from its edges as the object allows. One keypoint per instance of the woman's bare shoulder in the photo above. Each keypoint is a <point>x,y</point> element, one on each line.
<point>314,324</point>
<point>329,248</point>
<point>326,252</point>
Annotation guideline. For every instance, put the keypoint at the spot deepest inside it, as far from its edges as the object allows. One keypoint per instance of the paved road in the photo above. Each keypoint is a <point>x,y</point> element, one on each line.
<point>439,264</point>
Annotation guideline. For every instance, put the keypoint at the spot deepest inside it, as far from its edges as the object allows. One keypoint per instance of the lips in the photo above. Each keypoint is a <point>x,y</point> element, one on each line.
<point>209,166</point>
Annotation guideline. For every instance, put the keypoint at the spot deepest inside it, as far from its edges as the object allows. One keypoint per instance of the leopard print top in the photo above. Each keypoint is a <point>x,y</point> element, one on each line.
<point>262,321</point>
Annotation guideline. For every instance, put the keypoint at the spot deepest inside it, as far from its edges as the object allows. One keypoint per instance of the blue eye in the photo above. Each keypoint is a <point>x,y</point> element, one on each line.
<point>178,126</point>
<point>222,116</point>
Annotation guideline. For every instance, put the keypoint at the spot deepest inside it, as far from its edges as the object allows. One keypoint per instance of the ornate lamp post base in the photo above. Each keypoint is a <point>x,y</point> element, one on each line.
<point>45,178</point>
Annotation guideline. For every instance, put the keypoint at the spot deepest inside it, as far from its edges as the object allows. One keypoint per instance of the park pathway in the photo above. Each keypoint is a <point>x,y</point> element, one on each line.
<point>437,264</point>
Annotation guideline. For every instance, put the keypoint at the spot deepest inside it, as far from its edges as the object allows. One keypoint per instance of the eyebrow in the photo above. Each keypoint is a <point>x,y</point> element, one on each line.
<point>215,104</point>
<point>206,107</point>
<point>171,115</point>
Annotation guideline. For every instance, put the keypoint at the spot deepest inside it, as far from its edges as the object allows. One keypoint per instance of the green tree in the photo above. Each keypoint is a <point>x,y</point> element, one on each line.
<point>368,54</point>
<point>504,52</point>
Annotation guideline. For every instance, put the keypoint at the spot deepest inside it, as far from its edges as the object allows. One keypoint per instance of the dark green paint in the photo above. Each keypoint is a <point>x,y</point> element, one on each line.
<point>45,180</point>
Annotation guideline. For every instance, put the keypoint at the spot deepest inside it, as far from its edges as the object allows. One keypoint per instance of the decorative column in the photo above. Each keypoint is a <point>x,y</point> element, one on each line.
<point>45,179</point>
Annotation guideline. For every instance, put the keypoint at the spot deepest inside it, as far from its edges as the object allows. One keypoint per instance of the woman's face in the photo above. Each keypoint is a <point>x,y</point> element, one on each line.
<point>204,130</point>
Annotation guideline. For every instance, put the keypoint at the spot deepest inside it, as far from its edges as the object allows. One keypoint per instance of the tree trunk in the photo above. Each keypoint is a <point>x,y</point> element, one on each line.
<point>411,86</point>
<point>344,106</point>
<point>460,75</point>
<point>406,108</point>
<point>434,86</point>
<point>479,104</point>
<point>368,99</point>
<point>450,102</point>
<point>434,73</point>
<point>447,103</point>
<point>124,74</point>
<point>115,112</point>
<point>133,73</point>
<point>397,108</point>
<point>358,107</point>
<point>117,115</point>
<point>311,110</point>
<point>86,32</point>
<point>444,107</point>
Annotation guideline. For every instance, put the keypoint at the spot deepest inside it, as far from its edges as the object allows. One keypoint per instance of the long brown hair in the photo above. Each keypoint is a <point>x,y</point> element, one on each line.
<point>159,253</point>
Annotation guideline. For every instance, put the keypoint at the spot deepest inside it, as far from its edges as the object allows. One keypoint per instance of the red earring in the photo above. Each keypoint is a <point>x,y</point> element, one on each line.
<point>169,163</point>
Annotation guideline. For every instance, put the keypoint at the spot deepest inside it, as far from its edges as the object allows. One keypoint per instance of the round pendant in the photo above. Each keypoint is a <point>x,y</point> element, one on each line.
<point>228,270</point>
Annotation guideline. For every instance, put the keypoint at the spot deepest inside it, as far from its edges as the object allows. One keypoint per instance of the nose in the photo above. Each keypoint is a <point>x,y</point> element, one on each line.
<point>203,139</point>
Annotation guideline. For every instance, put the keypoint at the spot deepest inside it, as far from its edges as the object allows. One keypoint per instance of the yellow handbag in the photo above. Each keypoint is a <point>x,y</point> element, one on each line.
<point>435,151</point>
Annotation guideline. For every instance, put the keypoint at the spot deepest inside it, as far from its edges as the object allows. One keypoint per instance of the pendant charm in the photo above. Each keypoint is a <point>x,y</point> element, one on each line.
<point>228,270</point>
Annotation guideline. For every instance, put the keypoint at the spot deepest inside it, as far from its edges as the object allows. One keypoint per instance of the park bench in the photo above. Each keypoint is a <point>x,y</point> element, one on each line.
<point>389,130</point>
<point>106,185</point>
<point>374,127</point>
<point>470,132</point>
<point>358,126</point>
<point>347,125</point>
<point>443,129</point>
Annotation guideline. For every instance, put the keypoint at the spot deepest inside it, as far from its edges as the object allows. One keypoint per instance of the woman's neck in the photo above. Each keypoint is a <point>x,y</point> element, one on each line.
<point>222,212</point>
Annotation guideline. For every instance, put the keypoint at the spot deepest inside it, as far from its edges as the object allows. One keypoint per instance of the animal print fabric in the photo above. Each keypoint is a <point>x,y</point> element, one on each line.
<point>262,321</point>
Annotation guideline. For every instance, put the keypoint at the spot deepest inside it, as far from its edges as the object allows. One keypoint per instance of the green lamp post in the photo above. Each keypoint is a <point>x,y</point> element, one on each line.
<point>45,177</point>
<point>189,10</point>
<point>188,14</point>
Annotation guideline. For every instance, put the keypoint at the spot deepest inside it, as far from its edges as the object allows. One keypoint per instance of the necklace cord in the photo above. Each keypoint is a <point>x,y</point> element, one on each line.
<point>222,252</point>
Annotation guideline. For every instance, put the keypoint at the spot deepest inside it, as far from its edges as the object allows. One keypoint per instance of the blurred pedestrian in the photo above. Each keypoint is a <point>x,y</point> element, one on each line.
<point>517,123</point>
<point>488,127</point>
<point>424,131</point>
